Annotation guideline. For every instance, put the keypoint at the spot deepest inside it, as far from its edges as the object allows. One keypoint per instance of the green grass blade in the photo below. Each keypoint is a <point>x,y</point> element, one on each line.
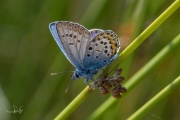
<point>155,100</point>
<point>92,12</point>
<point>74,104</point>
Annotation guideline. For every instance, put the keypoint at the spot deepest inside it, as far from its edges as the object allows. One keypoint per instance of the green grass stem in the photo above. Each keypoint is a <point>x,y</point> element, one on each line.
<point>74,104</point>
<point>155,100</point>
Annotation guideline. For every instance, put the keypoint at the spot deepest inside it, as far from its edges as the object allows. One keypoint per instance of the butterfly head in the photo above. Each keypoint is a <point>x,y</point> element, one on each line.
<point>75,75</point>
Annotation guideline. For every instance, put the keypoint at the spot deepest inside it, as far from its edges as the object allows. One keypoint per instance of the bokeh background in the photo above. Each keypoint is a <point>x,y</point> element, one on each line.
<point>28,55</point>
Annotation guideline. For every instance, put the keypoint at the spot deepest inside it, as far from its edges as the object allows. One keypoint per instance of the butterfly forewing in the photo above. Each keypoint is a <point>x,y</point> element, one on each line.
<point>77,37</point>
<point>52,27</point>
<point>73,39</point>
<point>84,43</point>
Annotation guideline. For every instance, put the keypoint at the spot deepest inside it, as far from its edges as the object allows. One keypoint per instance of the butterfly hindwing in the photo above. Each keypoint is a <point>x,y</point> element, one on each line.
<point>95,32</point>
<point>101,50</point>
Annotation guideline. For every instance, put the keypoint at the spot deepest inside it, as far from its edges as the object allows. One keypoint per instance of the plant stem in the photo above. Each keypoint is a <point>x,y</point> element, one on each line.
<point>74,104</point>
<point>155,100</point>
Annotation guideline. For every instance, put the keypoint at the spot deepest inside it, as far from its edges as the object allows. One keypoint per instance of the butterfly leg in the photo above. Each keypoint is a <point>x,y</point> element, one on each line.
<point>93,80</point>
<point>86,81</point>
<point>92,86</point>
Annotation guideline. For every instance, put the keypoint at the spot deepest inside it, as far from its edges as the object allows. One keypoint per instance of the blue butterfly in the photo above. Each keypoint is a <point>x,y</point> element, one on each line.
<point>87,50</point>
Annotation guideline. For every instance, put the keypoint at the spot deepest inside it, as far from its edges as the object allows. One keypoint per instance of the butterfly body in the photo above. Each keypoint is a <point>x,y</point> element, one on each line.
<point>87,50</point>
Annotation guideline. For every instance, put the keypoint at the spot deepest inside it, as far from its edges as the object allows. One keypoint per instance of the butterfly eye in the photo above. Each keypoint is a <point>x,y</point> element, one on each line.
<point>77,75</point>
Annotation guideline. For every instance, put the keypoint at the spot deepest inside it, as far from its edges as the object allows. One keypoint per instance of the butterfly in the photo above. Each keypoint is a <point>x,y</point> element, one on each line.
<point>87,50</point>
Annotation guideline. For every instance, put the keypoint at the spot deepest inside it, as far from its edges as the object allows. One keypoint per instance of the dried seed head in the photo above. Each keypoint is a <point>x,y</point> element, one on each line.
<point>118,71</point>
<point>116,95</point>
<point>120,79</point>
<point>123,89</point>
<point>103,90</point>
<point>110,84</point>
<point>116,90</point>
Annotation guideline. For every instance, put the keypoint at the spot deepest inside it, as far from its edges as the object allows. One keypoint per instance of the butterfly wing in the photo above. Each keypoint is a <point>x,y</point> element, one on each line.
<point>72,39</point>
<point>95,32</point>
<point>102,49</point>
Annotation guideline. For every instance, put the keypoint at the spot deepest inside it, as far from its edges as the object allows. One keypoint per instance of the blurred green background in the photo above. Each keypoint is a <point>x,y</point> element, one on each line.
<point>28,54</point>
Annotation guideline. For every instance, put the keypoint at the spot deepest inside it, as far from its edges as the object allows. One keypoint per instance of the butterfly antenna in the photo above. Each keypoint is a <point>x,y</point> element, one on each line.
<point>60,72</point>
<point>68,85</point>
